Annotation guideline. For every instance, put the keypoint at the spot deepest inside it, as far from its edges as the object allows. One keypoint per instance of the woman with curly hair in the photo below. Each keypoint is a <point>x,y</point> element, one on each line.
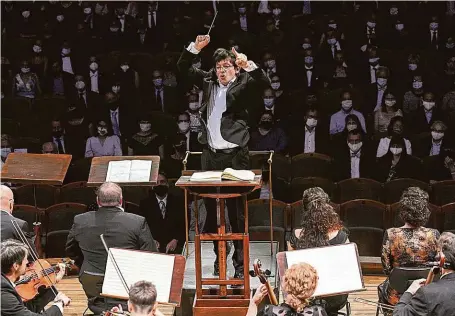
<point>298,285</point>
<point>411,245</point>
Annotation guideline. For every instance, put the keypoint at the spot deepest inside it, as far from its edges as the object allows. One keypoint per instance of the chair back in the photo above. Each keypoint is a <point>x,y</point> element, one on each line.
<point>311,165</point>
<point>61,216</point>
<point>298,185</point>
<point>364,213</point>
<point>443,192</point>
<point>45,195</point>
<point>448,212</point>
<point>77,192</point>
<point>28,213</point>
<point>258,213</point>
<point>393,189</point>
<point>135,194</point>
<point>133,208</point>
<point>281,167</point>
<point>368,240</point>
<point>401,277</point>
<point>56,243</point>
<point>359,188</point>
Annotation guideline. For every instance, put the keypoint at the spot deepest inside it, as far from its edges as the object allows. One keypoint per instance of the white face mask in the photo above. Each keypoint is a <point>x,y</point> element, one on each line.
<point>434,26</point>
<point>332,25</point>
<point>412,66</point>
<point>145,127</point>
<point>390,102</point>
<point>60,18</point>
<point>428,105</point>
<point>332,41</point>
<point>308,59</point>
<point>242,10</point>
<point>393,11</point>
<point>276,11</point>
<point>275,85</point>
<point>25,14</point>
<point>184,126</point>
<point>351,127</point>
<point>396,150</point>
<point>80,85</point>
<point>25,70</point>
<point>37,49</point>
<point>268,102</point>
<point>193,106</point>
<point>94,66</point>
<point>311,122</point>
<point>197,65</point>
<point>437,135</point>
<point>417,84</point>
<point>346,104</point>
<point>66,51</point>
<point>399,26</point>
<point>306,45</point>
<point>116,89</point>
<point>373,60</point>
<point>102,131</point>
<point>88,10</point>
<point>271,63</point>
<point>157,82</point>
<point>381,82</point>
<point>125,67</point>
<point>355,147</point>
<point>371,24</point>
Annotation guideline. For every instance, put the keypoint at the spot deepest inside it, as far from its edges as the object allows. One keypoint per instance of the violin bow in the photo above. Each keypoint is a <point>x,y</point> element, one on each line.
<point>33,254</point>
<point>117,269</point>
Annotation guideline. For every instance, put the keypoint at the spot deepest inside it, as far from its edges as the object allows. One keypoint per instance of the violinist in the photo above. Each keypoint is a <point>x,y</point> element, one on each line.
<point>436,298</point>
<point>13,264</point>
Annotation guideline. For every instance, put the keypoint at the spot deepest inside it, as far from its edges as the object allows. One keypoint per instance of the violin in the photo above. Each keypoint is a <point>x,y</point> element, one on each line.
<point>40,273</point>
<point>258,272</point>
<point>435,269</point>
<point>110,313</point>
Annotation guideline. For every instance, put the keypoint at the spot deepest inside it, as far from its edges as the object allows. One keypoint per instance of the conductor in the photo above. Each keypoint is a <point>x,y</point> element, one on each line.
<point>230,88</point>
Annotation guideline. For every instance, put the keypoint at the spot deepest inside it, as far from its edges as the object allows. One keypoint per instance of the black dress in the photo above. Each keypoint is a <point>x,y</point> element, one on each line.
<point>146,145</point>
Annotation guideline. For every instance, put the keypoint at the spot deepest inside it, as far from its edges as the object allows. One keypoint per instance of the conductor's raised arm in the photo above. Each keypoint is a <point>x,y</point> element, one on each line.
<point>184,63</point>
<point>255,73</point>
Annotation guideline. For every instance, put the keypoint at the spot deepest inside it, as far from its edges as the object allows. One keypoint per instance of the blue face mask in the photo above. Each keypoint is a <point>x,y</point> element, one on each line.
<point>332,41</point>
<point>308,59</point>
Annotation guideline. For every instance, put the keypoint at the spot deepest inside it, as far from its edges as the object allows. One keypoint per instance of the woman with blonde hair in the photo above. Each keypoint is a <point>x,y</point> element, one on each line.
<point>299,283</point>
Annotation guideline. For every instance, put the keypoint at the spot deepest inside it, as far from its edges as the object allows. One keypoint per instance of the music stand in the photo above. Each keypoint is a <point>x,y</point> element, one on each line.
<point>36,169</point>
<point>224,300</point>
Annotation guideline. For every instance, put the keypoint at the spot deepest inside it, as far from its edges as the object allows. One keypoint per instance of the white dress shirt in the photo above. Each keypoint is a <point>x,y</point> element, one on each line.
<point>310,140</point>
<point>161,92</point>
<point>243,23</point>
<point>164,200</point>
<point>384,144</point>
<point>94,82</point>
<point>428,115</point>
<point>66,65</point>
<point>335,48</point>
<point>435,148</point>
<point>373,73</point>
<point>309,74</point>
<point>379,97</point>
<point>338,122</point>
<point>355,164</point>
<point>122,22</point>
<point>54,140</point>
<point>115,121</point>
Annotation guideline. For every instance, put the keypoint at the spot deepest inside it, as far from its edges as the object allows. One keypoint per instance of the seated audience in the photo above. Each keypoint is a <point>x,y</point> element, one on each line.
<point>435,143</point>
<point>337,120</point>
<point>384,114</point>
<point>396,127</point>
<point>104,144</point>
<point>26,83</point>
<point>440,167</point>
<point>268,136</point>
<point>411,245</point>
<point>146,141</point>
<point>425,115</point>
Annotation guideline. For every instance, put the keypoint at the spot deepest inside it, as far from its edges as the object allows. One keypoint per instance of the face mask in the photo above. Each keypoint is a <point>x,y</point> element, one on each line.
<point>125,67</point>
<point>393,11</point>
<point>306,45</point>
<point>434,26</point>
<point>102,131</point>
<point>80,85</point>
<point>311,122</point>
<point>371,24</point>
<point>66,51</point>
<point>116,89</point>
<point>346,104</point>
<point>94,66</point>
<point>450,45</point>
<point>158,82</point>
<point>60,18</point>
<point>437,135</point>
<point>351,127</point>
<point>374,60</point>
<point>145,127</point>
<point>332,25</point>
<point>161,190</point>
<point>275,85</point>
<point>332,41</point>
<point>184,126</point>
<point>381,81</point>
<point>396,150</point>
<point>26,14</point>
<point>412,67</point>
<point>197,65</point>
<point>399,26</point>
<point>114,29</point>
<point>193,106</point>
<point>271,63</point>
<point>308,59</point>
<point>276,11</point>
<point>268,102</point>
<point>390,103</point>
<point>88,10</point>
<point>428,105</point>
<point>242,10</point>
<point>5,152</point>
<point>355,147</point>
<point>417,84</point>
<point>37,49</point>
<point>25,70</point>
<point>266,125</point>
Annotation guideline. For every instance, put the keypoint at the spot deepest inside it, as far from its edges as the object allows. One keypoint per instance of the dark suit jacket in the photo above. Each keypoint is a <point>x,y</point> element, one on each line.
<point>125,120</point>
<point>406,168</point>
<point>342,162</point>
<point>120,229</point>
<point>173,224</point>
<point>435,299</point>
<point>90,103</point>
<point>8,232</point>
<point>12,304</point>
<point>239,97</point>
<point>418,123</point>
<point>423,145</point>
<point>322,140</point>
<point>169,100</point>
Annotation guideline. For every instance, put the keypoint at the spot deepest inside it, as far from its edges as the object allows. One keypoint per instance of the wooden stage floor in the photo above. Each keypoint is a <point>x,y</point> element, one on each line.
<point>71,287</point>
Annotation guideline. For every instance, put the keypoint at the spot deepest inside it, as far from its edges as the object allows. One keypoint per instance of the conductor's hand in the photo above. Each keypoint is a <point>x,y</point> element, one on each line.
<point>240,59</point>
<point>63,298</point>
<point>261,292</point>
<point>201,41</point>
<point>417,284</point>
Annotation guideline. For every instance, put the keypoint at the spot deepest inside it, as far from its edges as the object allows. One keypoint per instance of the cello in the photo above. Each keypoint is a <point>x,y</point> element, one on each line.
<point>258,272</point>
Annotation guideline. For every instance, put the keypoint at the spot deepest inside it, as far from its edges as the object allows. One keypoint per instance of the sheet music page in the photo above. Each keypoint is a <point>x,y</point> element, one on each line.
<point>138,266</point>
<point>140,170</point>
<point>337,266</point>
<point>206,176</point>
<point>118,171</point>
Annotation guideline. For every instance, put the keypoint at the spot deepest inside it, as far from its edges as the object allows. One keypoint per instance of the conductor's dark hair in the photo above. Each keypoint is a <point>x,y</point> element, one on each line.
<point>12,251</point>
<point>222,54</point>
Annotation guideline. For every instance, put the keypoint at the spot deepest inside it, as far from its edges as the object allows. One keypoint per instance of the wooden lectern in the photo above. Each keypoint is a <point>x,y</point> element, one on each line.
<point>225,301</point>
<point>35,169</point>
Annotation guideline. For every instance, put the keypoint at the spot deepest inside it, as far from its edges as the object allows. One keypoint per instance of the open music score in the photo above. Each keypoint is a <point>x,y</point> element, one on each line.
<point>129,171</point>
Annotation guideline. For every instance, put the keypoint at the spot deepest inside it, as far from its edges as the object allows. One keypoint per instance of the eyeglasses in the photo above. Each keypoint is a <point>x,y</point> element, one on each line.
<point>223,68</point>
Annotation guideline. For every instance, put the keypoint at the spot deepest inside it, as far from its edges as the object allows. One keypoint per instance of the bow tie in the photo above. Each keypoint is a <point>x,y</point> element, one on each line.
<point>355,155</point>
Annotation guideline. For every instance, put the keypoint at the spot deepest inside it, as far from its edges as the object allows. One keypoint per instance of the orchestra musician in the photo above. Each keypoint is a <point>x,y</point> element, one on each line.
<point>229,94</point>
<point>14,263</point>
<point>299,284</point>
<point>436,298</point>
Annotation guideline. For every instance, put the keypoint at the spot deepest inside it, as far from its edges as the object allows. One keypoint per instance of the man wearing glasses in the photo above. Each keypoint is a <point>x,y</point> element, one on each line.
<point>228,92</point>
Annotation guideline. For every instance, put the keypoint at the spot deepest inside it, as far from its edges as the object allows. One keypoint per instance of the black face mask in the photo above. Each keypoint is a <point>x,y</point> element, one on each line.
<point>267,125</point>
<point>161,190</point>
<point>57,133</point>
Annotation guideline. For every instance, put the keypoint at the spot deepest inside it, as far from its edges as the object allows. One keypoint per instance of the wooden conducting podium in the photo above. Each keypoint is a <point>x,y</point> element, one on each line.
<point>223,301</point>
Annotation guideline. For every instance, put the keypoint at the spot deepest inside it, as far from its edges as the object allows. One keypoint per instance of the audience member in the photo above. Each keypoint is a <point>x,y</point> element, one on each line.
<point>337,120</point>
<point>384,114</point>
<point>104,143</point>
<point>395,127</point>
<point>268,136</point>
<point>146,142</point>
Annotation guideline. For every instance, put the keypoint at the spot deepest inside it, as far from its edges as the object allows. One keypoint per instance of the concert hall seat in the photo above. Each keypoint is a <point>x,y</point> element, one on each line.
<point>259,220</point>
<point>55,243</point>
<point>135,194</point>
<point>443,192</point>
<point>78,170</point>
<point>311,165</point>
<point>28,213</point>
<point>281,167</point>
<point>46,195</point>
<point>393,189</point>
<point>358,188</point>
<point>77,192</point>
<point>435,220</point>
<point>61,216</point>
<point>364,213</point>
<point>133,208</point>
<point>368,240</point>
<point>10,127</point>
<point>448,213</point>
<point>298,185</point>
<point>295,209</point>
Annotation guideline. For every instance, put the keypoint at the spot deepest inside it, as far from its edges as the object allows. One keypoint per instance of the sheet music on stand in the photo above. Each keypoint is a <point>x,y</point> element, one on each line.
<point>338,268</point>
<point>129,171</point>
<point>138,266</point>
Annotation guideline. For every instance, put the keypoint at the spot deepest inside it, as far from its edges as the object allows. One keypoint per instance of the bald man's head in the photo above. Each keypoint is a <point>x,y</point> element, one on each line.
<point>49,148</point>
<point>7,199</point>
<point>109,194</point>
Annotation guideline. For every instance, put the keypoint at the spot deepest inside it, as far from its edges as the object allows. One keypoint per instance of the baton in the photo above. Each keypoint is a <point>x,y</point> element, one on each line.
<point>213,21</point>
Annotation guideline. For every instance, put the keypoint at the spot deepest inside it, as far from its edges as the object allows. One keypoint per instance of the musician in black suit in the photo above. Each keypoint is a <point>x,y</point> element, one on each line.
<point>436,298</point>
<point>229,95</point>
<point>120,229</point>
<point>14,263</point>
<point>164,213</point>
